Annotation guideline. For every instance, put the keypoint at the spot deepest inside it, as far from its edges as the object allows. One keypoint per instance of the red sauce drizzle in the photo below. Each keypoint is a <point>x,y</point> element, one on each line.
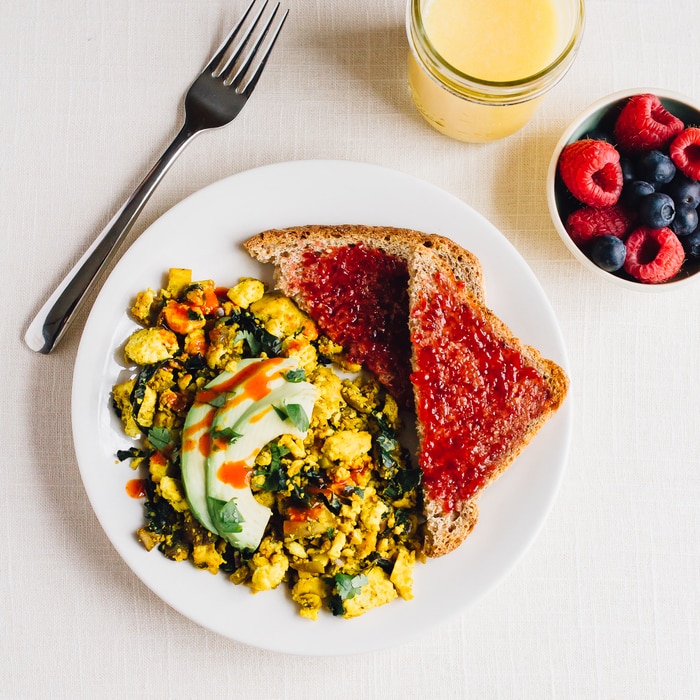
<point>475,396</point>
<point>136,488</point>
<point>237,474</point>
<point>358,297</point>
<point>256,377</point>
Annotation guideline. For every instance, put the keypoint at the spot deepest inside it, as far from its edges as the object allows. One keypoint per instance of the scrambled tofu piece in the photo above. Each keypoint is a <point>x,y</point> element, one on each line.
<point>402,573</point>
<point>282,317</point>
<point>347,446</point>
<point>310,593</point>
<point>150,345</point>
<point>246,292</point>
<point>268,565</point>
<point>378,590</point>
<point>121,398</point>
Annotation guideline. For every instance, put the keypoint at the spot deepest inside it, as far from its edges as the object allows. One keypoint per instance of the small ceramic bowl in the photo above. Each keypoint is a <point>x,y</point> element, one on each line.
<point>602,115</point>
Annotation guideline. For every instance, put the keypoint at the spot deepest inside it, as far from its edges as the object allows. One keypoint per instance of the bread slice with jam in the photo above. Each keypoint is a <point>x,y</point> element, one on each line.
<point>481,395</point>
<point>353,281</point>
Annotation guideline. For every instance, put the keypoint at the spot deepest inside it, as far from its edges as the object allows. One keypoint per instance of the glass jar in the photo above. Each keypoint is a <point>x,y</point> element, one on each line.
<point>469,108</point>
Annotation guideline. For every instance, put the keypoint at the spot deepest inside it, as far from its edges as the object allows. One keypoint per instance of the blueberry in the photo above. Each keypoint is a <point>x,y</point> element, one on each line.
<point>656,210</point>
<point>607,252</point>
<point>655,167</point>
<point>691,244</point>
<point>628,173</point>
<point>683,190</point>
<point>632,192</point>
<point>685,221</point>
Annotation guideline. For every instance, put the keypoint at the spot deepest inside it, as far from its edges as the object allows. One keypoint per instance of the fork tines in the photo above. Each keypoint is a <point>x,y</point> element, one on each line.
<point>240,59</point>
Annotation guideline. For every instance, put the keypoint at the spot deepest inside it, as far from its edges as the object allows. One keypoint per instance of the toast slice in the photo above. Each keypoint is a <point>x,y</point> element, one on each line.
<point>481,395</point>
<point>352,280</point>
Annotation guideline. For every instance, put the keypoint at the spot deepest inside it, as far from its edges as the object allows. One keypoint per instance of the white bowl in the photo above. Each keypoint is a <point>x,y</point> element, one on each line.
<point>601,112</point>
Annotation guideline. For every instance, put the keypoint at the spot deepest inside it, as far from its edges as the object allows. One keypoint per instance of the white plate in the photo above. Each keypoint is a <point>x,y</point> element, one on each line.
<point>204,233</point>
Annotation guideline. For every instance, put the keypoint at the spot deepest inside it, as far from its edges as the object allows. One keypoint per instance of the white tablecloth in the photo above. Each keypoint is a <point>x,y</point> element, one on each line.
<point>606,602</point>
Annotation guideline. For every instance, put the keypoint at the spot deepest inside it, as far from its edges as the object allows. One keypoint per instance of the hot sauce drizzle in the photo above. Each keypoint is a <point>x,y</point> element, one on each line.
<point>476,397</point>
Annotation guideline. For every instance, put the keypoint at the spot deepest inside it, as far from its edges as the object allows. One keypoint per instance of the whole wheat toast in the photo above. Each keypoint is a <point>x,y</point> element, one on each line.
<point>302,255</point>
<point>481,395</point>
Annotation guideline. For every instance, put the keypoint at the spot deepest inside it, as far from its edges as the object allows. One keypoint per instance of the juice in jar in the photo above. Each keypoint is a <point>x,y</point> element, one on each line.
<point>478,68</point>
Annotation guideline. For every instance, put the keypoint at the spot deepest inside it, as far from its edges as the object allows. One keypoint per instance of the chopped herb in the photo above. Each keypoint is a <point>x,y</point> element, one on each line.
<point>254,333</point>
<point>226,515</point>
<point>295,413</point>
<point>159,438</point>
<point>404,481</point>
<point>131,453</point>
<point>296,375</point>
<point>275,476</point>
<point>332,502</point>
<point>250,339</point>
<point>226,434</point>
<point>218,401</point>
<point>349,586</point>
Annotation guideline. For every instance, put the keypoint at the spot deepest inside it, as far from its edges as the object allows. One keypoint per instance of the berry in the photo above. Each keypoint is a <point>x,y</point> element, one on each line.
<point>683,191</point>
<point>591,171</point>
<point>685,221</point>
<point>653,255</point>
<point>685,152</point>
<point>691,245</point>
<point>644,124</point>
<point>588,222</point>
<point>633,192</point>
<point>607,252</point>
<point>655,167</point>
<point>656,210</point>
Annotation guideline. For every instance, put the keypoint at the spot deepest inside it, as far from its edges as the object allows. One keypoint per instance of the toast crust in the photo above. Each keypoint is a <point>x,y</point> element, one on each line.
<point>432,282</point>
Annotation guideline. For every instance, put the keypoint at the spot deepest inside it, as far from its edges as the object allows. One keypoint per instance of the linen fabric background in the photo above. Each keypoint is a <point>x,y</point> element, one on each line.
<point>605,603</point>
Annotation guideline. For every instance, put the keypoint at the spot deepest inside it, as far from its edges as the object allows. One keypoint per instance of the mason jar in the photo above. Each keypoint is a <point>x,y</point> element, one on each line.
<point>489,105</point>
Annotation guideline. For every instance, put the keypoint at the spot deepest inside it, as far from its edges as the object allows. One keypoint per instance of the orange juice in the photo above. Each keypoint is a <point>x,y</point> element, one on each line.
<point>478,68</point>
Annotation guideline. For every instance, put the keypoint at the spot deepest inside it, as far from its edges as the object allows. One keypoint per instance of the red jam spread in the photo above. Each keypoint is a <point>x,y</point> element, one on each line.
<point>358,297</point>
<point>475,396</point>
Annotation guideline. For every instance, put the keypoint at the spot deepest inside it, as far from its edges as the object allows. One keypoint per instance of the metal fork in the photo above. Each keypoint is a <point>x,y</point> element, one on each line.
<point>215,98</point>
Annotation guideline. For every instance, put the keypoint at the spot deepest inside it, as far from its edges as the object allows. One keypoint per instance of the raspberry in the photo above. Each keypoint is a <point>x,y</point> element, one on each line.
<point>591,171</point>
<point>685,152</point>
<point>653,254</point>
<point>645,124</point>
<point>588,222</point>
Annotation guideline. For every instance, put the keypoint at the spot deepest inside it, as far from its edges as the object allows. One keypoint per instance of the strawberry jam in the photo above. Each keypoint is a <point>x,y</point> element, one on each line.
<point>358,297</point>
<point>475,395</point>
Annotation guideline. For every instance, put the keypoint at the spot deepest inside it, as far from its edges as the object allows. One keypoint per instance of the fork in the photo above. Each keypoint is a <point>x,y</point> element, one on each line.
<point>214,99</point>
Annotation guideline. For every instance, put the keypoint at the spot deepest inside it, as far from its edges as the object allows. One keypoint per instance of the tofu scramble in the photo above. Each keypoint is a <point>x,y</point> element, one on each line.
<point>338,496</point>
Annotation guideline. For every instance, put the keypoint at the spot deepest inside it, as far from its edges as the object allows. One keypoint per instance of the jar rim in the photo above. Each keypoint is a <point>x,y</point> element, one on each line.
<point>503,92</point>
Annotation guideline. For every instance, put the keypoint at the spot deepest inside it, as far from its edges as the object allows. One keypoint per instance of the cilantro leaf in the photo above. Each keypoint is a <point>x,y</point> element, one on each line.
<point>159,438</point>
<point>226,515</point>
<point>226,434</point>
<point>296,375</point>
<point>348,586</point>
<point>295,413</point>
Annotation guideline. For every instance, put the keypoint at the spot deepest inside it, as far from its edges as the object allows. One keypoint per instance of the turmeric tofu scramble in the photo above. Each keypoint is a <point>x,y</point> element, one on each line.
<point>263,453</point>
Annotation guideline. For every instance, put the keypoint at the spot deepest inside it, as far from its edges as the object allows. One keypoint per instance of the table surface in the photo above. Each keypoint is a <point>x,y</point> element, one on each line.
<point>604,604</point>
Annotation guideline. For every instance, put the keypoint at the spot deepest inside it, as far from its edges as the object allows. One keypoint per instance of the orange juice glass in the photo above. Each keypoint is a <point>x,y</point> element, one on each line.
<point>478,69</point>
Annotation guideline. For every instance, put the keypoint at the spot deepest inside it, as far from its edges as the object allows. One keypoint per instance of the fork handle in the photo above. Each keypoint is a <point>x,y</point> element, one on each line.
<point>59,310</point>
